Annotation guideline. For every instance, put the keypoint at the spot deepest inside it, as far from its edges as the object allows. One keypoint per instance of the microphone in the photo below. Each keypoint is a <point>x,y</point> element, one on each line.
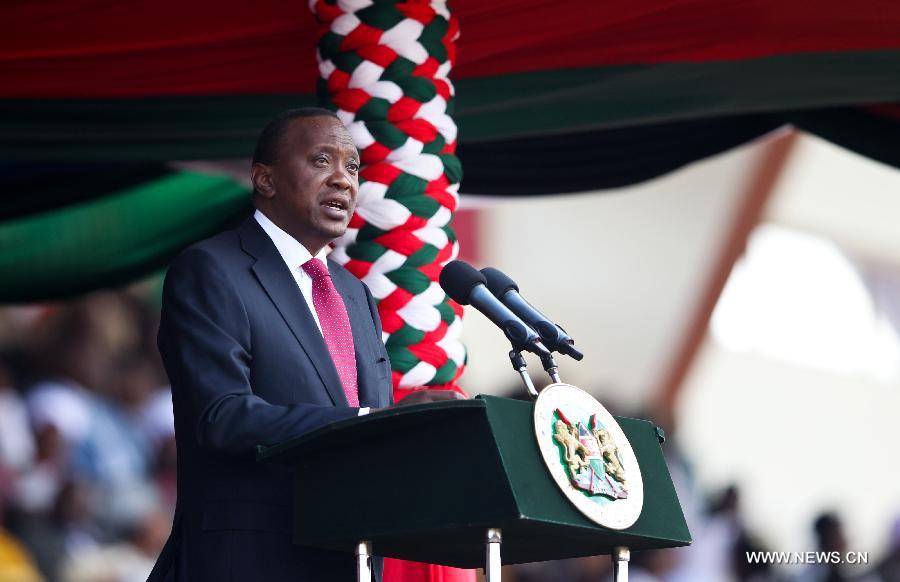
<point>506,290</point>
<point>466,285</point>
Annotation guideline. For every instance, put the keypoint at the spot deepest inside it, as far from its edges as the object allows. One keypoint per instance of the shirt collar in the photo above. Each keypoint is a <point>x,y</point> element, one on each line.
<point>293,253</point>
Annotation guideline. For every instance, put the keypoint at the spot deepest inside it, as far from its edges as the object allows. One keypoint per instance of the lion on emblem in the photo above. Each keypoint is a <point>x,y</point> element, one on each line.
<point>610,454</point>
<point>575,452</point>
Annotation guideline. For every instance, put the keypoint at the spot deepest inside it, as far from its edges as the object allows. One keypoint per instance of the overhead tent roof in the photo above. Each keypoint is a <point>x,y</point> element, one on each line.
<point>551,96</point>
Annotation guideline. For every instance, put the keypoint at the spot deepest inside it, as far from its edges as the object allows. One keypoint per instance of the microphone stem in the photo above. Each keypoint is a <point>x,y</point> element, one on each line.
<point>551,368</point>
<point>519,365</point>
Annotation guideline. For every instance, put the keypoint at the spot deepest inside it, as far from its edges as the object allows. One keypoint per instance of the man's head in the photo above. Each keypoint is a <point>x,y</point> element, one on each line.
<point>305,175</point>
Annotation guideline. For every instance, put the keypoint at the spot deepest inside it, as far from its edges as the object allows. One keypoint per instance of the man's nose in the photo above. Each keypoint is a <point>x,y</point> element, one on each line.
<point>340,178</point>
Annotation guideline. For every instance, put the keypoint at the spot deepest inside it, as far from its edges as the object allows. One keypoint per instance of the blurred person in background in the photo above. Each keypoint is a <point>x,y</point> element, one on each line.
<point>17,446</point>
<point>720,541</point>
<point>829,532</point>
<point>68,363</point>
<point>16,563</point>
<point>17,451</point>
<point>126,558</point>
<point>65,530</point>
<point>165,460</point>
<point>119,454</point>
<point>744,569</point>
<point>141,388</point>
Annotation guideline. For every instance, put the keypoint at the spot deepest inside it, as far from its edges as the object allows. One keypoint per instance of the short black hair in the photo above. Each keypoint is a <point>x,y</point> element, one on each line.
<point>267,144</point>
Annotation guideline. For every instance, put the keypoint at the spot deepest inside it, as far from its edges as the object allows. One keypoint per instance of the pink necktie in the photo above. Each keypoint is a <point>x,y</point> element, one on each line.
<point>335,326</point>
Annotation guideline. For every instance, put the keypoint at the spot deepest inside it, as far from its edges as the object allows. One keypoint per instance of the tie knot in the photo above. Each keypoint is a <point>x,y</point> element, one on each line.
<point>316,269</point>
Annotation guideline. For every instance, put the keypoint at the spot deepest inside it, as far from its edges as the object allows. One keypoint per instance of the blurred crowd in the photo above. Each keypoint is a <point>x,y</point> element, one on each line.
<point>87,450</point>
<point>87,465</point>
<point>719,552</point>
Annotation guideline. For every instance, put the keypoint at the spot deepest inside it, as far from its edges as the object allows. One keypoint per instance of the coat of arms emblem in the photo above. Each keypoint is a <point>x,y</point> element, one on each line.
<point>588,456</point>
<point>591,455</point>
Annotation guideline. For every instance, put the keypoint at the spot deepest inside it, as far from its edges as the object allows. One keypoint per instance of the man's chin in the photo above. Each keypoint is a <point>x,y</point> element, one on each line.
<point>333,232</point>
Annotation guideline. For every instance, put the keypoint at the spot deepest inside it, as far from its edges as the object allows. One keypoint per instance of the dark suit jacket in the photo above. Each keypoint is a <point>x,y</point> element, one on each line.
<point>249,367</point>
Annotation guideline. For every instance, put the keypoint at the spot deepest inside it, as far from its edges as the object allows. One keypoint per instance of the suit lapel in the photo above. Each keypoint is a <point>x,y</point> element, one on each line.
<point>281,288</point>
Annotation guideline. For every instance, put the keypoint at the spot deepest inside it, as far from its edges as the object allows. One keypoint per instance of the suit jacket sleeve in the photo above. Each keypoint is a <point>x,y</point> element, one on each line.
<point>204,340</point>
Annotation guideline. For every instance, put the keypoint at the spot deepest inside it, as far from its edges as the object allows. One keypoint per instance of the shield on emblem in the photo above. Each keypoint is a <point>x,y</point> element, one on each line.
<point>594,478</point>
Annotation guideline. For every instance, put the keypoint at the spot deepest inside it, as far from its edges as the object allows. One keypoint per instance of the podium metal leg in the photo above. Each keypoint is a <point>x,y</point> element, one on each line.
<point>620,555</point>
<point>364,562</point>
<point>492,554</point>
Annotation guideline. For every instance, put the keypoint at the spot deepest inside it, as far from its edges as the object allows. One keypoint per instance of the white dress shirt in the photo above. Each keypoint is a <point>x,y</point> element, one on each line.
<point>294,255</point>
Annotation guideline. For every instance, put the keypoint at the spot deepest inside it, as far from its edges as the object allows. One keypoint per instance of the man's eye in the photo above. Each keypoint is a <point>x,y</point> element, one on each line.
<point>321,160</point>
<point>353,167</point>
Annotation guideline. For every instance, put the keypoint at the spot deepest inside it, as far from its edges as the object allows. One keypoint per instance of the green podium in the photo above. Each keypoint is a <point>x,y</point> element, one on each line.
<point>446,483</point>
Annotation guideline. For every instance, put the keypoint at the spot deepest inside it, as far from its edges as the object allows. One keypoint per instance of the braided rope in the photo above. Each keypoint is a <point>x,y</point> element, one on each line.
<point>384,68</point>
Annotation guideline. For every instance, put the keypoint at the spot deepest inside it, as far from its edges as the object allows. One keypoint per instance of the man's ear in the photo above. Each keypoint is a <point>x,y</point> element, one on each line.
<point>261,177</point>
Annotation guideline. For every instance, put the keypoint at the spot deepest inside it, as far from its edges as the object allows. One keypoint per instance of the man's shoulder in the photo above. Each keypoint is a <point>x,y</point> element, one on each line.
<point>223,248</point>
<point>210,270</point>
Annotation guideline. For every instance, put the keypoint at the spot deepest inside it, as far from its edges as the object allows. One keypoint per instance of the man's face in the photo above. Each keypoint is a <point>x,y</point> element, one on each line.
<point>310,191</point>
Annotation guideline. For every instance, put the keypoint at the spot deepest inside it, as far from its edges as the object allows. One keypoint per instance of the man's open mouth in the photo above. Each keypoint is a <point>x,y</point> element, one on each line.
<point>336,204</point>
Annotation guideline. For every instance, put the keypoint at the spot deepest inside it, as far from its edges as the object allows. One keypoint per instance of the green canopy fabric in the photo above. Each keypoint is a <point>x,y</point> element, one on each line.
<point>644,88</point>
<point>115,239</point>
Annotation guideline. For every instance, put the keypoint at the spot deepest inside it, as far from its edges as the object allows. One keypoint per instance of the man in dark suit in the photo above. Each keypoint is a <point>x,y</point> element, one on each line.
<point>263,342</point>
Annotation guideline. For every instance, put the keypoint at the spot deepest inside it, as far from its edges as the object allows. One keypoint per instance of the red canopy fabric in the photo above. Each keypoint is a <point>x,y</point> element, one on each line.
<point>232,47</point>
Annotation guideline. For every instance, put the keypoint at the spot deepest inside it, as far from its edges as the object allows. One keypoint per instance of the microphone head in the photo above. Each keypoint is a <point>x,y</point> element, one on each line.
<point>571,351</point>
<point>498,281</point>
<point>458,278</point>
